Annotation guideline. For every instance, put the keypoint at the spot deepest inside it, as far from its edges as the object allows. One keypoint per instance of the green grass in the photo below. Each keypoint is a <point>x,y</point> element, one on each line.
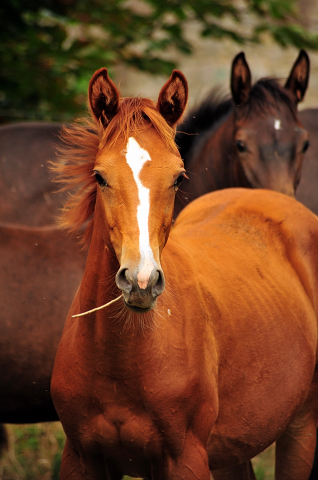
<point>35,454</point>
<point>264,465</point>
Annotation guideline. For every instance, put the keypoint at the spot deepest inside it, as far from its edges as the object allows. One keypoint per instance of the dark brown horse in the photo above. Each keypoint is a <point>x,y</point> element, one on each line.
<point>307,191</point>
<point>33,284</point>
<point>41,269</point>
<point>253,140</point>
<point>27,192</point>
<point>208,352</point>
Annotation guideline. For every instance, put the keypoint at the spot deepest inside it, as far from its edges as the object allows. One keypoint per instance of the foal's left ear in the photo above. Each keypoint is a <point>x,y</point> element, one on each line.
<point>298,78</point>
<point>103,97</point>
<point>173,98</point>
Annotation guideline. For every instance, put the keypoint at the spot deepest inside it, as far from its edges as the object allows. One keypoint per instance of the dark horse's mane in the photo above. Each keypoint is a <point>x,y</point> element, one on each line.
<point>81,142</point>
<point>212,110</point>
<point>265,96</point>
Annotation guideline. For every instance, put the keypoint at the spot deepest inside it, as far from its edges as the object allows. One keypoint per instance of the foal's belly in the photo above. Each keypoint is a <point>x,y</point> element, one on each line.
<point>246,427</point>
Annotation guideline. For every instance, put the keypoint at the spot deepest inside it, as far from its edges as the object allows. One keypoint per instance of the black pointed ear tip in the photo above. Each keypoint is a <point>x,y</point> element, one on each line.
<point>239,56</point>
<point>303,52</point>
<point>303,55</point>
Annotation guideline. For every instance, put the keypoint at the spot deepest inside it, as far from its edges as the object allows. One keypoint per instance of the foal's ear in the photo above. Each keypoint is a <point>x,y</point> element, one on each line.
<point>297,81</point>
<point>173,98</point>
<point>103,97</point>
<point>240,79</point>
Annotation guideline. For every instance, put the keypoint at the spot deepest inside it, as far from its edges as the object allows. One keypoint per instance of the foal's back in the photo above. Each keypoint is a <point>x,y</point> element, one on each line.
<point>254,255</point>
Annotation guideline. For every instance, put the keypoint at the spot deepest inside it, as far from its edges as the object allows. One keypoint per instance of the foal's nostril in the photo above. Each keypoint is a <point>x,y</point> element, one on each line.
<point>123,281</point>
<point>159,283</point>
<point>128,284</point>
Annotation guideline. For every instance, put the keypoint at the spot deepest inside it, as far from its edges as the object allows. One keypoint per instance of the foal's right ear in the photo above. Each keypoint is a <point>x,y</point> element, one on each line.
<point>103,97</point>
<point>173,98</point>
<point>240,80</point>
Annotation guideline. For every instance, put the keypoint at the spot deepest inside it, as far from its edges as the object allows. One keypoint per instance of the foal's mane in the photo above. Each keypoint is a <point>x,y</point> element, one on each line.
<point>265,96</point>
<point>81,142</point>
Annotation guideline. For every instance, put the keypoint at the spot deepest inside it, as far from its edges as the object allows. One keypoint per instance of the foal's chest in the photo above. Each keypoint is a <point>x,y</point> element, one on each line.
<point>128,439</point>
<point>133,421</point>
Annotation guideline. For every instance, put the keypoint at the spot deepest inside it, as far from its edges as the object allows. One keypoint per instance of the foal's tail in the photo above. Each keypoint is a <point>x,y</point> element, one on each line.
<point>3,439</point>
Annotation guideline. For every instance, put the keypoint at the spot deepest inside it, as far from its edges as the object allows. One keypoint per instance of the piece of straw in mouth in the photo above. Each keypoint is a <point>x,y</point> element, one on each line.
<point>97,308</point>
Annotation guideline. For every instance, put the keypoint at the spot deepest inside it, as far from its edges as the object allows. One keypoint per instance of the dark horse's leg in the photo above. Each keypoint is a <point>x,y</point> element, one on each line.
<point>244,471</point>
<point>3,439</point>
<point>314,471</point>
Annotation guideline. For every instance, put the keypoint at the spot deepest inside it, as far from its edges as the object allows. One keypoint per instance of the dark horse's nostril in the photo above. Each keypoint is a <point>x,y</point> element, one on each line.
<point>123,281</point>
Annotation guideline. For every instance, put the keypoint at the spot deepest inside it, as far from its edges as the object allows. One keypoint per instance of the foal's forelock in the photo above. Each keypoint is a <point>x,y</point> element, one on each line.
<point>134,117</point>
<point>266,97</point>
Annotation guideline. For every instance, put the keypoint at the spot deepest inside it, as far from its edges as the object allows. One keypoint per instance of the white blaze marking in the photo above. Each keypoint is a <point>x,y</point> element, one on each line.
<point>277,124</point>
<point>136,158</point>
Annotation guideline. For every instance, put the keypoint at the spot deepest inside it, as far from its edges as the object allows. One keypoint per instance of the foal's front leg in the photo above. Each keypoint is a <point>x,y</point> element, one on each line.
<point>72,468</point>
<point>192,464</point>
<point>243,471</point>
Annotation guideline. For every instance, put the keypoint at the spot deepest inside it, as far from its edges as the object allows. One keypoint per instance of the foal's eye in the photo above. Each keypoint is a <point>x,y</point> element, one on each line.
<point>305,146</point>
<point>240,146</point>
<point>101,182</point>
<point>179,180</point>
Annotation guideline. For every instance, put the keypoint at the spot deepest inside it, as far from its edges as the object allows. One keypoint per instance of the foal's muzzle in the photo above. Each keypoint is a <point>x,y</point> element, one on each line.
<point>136,298</point>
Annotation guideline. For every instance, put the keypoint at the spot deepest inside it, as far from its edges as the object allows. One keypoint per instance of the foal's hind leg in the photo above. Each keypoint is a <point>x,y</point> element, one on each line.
<point>244,471</point>
<point>295,448</point>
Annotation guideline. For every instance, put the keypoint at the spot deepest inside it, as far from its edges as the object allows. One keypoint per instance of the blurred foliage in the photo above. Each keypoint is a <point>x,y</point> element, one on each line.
<point>34,452</point>
<point>50,48</point>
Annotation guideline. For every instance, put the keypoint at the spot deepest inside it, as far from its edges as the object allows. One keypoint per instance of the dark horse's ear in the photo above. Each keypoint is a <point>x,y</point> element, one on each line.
<point>240,80</point>
<point>173,98</point>
<point>298,78</point>
<point>103,97</point>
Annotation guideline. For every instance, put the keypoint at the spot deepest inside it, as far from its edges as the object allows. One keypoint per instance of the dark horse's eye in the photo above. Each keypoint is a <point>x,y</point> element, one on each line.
<point>305,146</point>
<point>240,146</point>
<point>179,180</point>
<point>101,182</point>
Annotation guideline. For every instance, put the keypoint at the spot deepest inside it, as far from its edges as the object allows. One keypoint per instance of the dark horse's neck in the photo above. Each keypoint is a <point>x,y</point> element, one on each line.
<point>214,163</point>
<point>201,122</point>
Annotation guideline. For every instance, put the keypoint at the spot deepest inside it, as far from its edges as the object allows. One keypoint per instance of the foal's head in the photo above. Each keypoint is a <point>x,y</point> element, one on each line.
<point>137,170</point>
<point>269,140</point>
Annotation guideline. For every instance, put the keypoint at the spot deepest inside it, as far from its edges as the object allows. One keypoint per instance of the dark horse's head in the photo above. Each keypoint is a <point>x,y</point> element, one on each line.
<point>268,139</point>
<point>254,139</point>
